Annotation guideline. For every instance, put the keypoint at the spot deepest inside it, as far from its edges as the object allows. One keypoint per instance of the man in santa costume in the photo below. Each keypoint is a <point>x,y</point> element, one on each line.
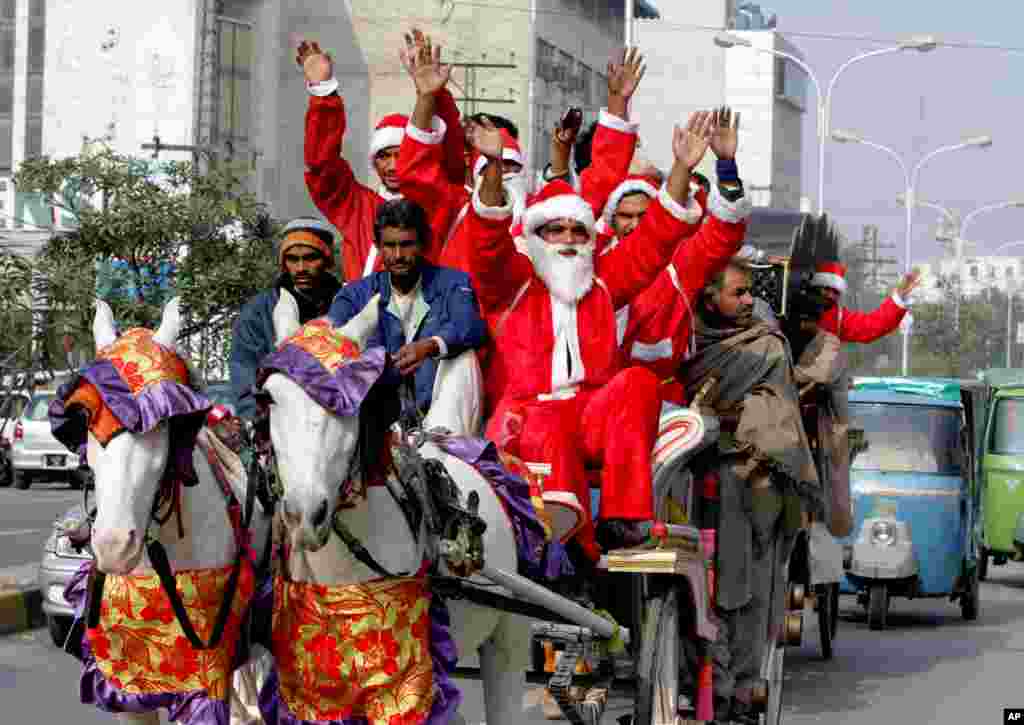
<point>561,393</point>
<point>421,158</point>
<point>347,204</point>
<point>853,326</point>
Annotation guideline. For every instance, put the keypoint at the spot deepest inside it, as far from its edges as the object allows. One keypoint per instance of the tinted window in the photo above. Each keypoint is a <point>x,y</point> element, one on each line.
<point>40,407</point>
<point>1007,427</point>
<point>910,438</point>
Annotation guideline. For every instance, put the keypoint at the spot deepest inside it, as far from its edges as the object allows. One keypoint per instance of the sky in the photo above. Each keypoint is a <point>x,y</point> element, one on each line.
<point>914,103</point>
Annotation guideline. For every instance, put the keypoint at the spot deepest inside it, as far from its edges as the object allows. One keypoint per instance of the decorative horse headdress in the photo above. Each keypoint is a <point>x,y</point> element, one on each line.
<point>137,382</point>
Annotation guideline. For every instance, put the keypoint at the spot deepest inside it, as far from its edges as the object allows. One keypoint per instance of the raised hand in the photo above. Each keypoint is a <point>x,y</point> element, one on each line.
<point>725,127</point>
<point>908,283</point>
<point>316,65</point>
<point>422,60</point>
<point>486,138</point>
<point>691,143</point>
<point>625,74</point>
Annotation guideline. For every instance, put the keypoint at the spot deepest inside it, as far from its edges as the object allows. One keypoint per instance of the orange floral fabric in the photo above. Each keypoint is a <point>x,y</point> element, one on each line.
<point>143,362</point>
<point>141,649</point>
<point>326,344</point>
<point>361,650</point>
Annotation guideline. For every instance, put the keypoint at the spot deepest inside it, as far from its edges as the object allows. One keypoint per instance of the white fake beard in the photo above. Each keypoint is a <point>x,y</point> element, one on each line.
<point>567,278</point>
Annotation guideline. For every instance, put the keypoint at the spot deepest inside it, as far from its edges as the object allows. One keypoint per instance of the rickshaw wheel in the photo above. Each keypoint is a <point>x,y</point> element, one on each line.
<point>657,698</point>
<point>828,616</point>
<point>969,600</point>
<point>983,557</point>
<point>878,606</point>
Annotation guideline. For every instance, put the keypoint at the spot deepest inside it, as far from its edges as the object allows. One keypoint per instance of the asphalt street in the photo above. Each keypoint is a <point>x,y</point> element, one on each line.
<point>26,518</point>
<point>929,667</point>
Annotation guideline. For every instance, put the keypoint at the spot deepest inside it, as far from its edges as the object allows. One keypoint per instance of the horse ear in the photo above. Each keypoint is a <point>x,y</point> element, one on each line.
<point>103,330</point>
<point>362,326</point>
<point>286,317</point>
<point>170,325</point>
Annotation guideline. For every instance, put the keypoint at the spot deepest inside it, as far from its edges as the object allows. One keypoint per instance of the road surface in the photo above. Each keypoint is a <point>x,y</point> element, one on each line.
<point>26,518</point>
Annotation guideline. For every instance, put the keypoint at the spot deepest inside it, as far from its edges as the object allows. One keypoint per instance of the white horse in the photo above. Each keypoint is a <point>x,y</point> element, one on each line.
<point>314,451</point>
<point>128,472</point>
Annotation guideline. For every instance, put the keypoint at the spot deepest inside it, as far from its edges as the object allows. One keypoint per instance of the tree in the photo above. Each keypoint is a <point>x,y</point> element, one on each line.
<point>143,232</point>
<point>15,310</point>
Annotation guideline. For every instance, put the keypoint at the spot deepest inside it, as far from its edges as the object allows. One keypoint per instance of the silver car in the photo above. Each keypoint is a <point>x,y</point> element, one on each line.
<point>35,453</point>
<point>12,404</point>
<point>60,562</point>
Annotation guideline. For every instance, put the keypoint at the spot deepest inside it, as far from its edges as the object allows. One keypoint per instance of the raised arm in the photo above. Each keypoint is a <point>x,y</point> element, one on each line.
<point>866,327</point>
<point>615,137</point>
<point>496,269</point>
<point>331,183</point>
<point>631,266</point>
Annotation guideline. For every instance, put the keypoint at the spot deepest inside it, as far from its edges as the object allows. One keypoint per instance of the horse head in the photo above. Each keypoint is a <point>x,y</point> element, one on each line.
<point>314,384</point>
<point>131,410</point>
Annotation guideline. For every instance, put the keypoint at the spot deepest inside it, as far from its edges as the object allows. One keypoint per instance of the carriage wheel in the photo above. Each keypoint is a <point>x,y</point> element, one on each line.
<point>828,616</point>
<point>657,699</point>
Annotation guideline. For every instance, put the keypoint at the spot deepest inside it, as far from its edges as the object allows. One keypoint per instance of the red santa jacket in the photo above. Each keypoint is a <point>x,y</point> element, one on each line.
<point>865,327</point>
<point>521,313</point>
<point>422,179</point>
<point>655,328</point>
<point>347,204</point>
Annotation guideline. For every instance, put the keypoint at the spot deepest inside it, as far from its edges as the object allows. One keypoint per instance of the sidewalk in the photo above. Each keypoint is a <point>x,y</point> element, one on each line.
<point>21,602</point>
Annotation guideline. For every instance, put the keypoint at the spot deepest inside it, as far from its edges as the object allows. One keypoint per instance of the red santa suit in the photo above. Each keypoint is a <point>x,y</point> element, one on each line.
<point>347,204</point>
<point>557,382</point>
<point>655,329</point>
<point>850,325</point>
<point>421,179</point>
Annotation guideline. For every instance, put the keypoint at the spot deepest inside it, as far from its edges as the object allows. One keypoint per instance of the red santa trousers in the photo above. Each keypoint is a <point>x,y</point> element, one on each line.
<point>613,427</point>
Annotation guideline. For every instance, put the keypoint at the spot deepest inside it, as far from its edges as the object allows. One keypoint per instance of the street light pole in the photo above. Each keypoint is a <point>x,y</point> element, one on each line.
<point>922,44</point>
<point>1009,289</point>
<point>630,12</point>
<point>908,199</point>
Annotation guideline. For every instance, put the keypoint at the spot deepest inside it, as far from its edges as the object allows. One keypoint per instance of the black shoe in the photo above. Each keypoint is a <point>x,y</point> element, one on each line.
<point>619,533</point>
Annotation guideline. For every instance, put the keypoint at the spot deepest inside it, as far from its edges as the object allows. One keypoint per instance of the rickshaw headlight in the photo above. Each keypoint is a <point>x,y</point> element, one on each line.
<point>883,533</point>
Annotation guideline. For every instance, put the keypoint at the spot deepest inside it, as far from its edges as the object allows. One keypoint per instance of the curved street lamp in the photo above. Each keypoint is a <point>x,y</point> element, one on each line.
<point>921,44</point>
<point>910,179</point>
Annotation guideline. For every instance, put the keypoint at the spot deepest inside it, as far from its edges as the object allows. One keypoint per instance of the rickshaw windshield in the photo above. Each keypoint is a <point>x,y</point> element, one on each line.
<point>907,438</point>
<point>1007,427</point>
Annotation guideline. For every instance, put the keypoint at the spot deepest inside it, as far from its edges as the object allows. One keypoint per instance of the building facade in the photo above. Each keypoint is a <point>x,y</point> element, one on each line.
<point>688,72</point>
<point>1005,273</point>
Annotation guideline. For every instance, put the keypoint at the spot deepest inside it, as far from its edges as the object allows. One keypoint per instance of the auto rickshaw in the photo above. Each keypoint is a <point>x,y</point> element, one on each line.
<point>914,493</point>
<point>1002,471</point>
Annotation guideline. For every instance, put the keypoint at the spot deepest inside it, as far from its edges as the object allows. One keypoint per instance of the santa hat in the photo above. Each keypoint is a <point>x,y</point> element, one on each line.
<point>557,200</point>
<point>830,274</point>
<point>510,152</point>
<point>634,184</point>
<point>389,132</point>
<point>307,232</point>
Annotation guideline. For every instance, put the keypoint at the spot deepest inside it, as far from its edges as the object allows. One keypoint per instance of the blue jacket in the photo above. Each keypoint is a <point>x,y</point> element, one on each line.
<point>453,315</point>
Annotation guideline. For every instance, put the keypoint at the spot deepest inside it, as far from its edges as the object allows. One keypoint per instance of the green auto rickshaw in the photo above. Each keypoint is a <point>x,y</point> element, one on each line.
<point>1002,471</point>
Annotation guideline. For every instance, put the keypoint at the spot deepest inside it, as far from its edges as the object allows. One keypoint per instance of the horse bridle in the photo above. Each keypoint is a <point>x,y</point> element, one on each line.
<point>161,564</point>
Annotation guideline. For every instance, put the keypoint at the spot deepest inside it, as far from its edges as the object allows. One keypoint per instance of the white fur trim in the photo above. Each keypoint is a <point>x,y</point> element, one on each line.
<point>385,137</point>
<point>827,279</point>
<point>610,120</point>
<point>432,137</point>
<point>566,513</point>
<point>690,214</point>
<point>621,323</point>
<point>491,212</point>
<point>627,187</point>
<point>563,206</point>
<point>507,154</point>
<point>900,302</point>
<point>324,88</point>
<point>732,212</point>
<point>660,350</point>
<point>750,253</point>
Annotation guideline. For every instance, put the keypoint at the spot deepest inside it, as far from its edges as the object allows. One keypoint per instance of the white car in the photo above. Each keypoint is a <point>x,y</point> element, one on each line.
<point>11,406</point>
<point>36,454</point>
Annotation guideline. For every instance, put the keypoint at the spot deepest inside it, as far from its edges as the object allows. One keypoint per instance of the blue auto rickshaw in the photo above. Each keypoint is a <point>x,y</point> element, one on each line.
<point>914,492</point>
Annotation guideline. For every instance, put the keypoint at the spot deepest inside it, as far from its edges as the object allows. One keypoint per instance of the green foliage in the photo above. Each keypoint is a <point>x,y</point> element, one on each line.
<point>940,347</point>
<point>209,236</point>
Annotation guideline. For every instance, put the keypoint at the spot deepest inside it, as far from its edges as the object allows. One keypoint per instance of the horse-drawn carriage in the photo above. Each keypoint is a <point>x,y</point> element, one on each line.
<point>351,615</point>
